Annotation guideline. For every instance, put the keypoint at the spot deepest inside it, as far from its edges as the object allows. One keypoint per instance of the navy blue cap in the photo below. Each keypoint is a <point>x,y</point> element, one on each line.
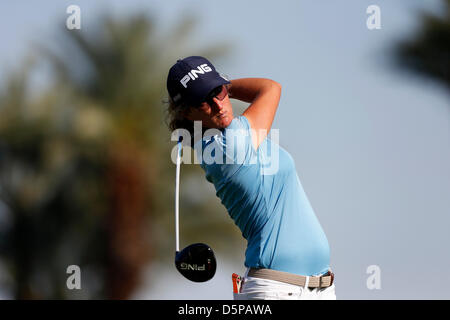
<point>191,79</point>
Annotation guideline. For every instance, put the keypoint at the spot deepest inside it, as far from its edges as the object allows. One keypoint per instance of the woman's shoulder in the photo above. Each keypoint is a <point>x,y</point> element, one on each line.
<point>239,122</point>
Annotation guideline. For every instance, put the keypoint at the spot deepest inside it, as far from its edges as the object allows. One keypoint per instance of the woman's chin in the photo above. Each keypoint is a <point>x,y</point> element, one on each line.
<point>224,122</point>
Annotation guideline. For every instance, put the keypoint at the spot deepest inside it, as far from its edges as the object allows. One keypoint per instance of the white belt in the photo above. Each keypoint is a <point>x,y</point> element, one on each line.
<point>325,280</point>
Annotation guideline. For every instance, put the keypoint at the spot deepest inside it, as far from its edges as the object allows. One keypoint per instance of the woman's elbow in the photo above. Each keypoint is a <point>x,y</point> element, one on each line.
<point>276,85</point>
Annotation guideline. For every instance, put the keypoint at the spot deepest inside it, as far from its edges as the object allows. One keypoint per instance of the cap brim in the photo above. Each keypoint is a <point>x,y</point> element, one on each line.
<point>200,96</point>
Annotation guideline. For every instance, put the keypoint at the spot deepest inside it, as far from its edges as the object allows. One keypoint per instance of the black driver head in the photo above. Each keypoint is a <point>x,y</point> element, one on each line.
<point>196,262</point>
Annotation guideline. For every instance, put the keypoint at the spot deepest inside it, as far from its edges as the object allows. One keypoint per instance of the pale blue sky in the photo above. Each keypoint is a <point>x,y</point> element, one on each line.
<point>371,144</point>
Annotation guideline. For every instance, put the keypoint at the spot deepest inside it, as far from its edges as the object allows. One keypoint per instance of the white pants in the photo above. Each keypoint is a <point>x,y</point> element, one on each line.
<point>262,289</point>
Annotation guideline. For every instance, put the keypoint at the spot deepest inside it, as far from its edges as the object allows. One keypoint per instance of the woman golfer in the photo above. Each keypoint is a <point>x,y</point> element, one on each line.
<point>287,255</point>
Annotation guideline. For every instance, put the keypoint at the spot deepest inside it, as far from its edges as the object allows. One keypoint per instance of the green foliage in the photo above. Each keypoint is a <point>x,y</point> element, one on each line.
<point>85,169</point>
<point>428,53</point>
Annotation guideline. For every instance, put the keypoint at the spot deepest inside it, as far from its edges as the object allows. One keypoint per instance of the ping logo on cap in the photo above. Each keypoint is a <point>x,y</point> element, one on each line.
<point>193,74</point>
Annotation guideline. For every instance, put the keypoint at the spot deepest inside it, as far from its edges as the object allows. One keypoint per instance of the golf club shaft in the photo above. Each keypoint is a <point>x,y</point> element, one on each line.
<point>177,195</point>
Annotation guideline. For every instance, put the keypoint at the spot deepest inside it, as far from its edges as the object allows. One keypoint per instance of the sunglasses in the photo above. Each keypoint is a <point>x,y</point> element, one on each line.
<point>220,93</point>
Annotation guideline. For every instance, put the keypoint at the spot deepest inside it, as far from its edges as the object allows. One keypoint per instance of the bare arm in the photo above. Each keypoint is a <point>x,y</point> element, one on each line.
<point>263,96</point>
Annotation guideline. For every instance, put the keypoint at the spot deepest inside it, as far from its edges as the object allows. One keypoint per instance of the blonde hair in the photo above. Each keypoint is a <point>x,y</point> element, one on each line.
<point>175,118</point>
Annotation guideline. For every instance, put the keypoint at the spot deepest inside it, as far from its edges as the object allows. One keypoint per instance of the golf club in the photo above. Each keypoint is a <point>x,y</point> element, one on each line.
<point>196,262</point>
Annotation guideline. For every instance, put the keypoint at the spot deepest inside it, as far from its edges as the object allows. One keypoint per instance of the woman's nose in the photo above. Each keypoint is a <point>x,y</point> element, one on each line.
<point>218,103</point>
